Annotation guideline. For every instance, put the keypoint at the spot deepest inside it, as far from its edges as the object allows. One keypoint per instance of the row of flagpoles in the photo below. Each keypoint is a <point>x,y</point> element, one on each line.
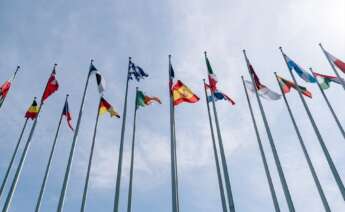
<point>180,93</point>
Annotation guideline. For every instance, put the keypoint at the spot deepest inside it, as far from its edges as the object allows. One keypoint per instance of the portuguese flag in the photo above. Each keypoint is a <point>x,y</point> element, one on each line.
<point>143,100</point>
<point>325,80</point>
<point>32,112</point>
<point>104,107</point>
<point>181,93</point>
<point>287,85</point>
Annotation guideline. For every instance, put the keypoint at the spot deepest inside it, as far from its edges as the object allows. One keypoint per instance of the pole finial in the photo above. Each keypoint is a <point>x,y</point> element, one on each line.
<point>129,58</point>
<point>203,80</point>
<point>35,97</point>
<point>169,56</point>
<point>18,67</point>
<point>67,95</point>
<point>92,61</point>
<point>242,77</point>
<point>205,52</point>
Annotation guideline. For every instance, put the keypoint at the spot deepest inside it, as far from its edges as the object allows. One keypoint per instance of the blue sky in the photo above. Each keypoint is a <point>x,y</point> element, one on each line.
<point>37,34</point>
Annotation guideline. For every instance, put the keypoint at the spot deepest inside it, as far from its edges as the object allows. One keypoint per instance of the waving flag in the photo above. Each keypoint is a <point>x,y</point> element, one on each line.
<point>325,80</point>
<point>136,71</point>
<point>300,71</point>
<point>52,85</point>
<point>262,90</point>
<point>4,90</point>
<point>99,78</point>
<point>337,62</point>
<point>287,85</point>
<point>211,76</point>
<point>143,100</point>
<point>181,93</point>
<point>68,116</point>
<point>218,95</point>
<point>32,112</point>
<point>106,107</point>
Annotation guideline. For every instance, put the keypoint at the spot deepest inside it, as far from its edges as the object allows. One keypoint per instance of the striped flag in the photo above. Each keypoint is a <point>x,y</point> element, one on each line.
<point>99,78</point>
<point>325,80</point>
<point>287,85</point>
<point>300,71</point>
<point>143,100</point>
<point>67,114</point>
<point>181,93</point>
<point>32,112</point>
<point>106,107</point>
<point>337,62</point>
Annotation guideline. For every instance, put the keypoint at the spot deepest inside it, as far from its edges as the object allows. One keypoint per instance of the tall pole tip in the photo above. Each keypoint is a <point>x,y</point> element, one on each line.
<point>205,53</point>
<point>18,67</point>
<point>169,56</point>
<point>67,95</point>
<point>320,44</point>
<point>203,80</point>
<point>35,97</point>
<point>129,58</point>
<point>242,77</point>
<point>281,48</point>
<point>92,61</point>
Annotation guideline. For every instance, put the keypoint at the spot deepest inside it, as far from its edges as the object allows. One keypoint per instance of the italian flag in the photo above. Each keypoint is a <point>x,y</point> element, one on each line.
<point>286,85</point>
<point>340,64</point>
<point>325,80</point>
<point>212,78</point>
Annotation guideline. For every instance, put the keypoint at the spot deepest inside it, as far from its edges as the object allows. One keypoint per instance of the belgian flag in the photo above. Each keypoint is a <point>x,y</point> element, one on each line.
<point>32,112</point>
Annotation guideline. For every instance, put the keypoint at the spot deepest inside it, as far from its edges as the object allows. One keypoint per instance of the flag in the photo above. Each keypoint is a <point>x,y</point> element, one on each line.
<point>181,93</point>
<point>262,90</point>
<point>52,86</point>
<point>300,71</point>
<point>67,114</point>
<point>4,90</point>
<point>211,76</point>
<point>32,111</point>
<point>143,100</point>
<point>136,71</point>
<point>218,95</point>
<point>287,85</point>
<point>340,64</point>
<point>325,80</point>
<point>99,78</point>
<point>106,107</point>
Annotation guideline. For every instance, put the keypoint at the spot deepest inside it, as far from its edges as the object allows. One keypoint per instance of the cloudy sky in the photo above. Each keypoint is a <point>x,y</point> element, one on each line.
<point>36,34</point>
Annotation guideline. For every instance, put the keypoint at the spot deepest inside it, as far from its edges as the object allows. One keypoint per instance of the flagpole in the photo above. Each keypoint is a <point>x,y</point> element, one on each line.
<point>90,160</point>
<point>13,77</point>
<point>307,157</point>
<point>129,202</point>
<point>175,207</point>
<point>12,158</point>
<point>215,152</point>
<point>262,153</point>
<point>222,154</point>
<point>175,158</point>
<point>329,105</point>
<point>119,163</point>
<point>40,196</point>
<point>332,65</point>
<point>273,147</point>
<point>317,132</point>
<point>74,142</point>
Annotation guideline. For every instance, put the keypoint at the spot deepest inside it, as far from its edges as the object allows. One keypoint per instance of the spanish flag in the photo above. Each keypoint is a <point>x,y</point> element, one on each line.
<point>32,111</point>
<point>181,93</point>
<point>104,107</point>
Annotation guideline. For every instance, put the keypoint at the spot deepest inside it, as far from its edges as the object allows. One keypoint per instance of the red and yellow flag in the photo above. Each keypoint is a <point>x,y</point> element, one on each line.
<point>106,107</point>
<point>32,112</point>
<point>181,93</point>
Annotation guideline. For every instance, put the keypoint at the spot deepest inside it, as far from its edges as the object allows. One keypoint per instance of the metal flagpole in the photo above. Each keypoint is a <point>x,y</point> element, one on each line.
<point>175,158</point>
<point>119,163</point>
<point>310,164</point>
<point>40,196</point>
<point>262,153</point>
<point>329,106</point>
<point>13,77</point>
<point>74,142</point>
<point>270,138</point>
<point>12,158</point>
<point>23,157</point>
<point>332,65</point>
<point>175,207</point>
<point>215,152</point>
<point>129,202</point>
<point>90,160</point>
<point>223,158</point>
<point>317,132</point>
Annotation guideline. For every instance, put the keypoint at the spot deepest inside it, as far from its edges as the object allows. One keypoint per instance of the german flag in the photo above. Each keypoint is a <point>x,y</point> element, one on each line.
<point>104,107</point>
<point>32,112</point>
<point>181,93</point>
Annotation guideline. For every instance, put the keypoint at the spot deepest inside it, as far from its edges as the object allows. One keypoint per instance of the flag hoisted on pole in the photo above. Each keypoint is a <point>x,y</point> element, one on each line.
<point>174,186</point>
<point>334,61</point>
<point>307,157</point>
<point>51,87</point>
<point>13,157</point>
<point>74,142</point>
<point>215,153</point>
<point>270,138</point>
<point>329,105</point>
<point>317,132</point>
<point>46,173</point>
<point>4,88</point>
<point>212,84</point>
<point>262,152</point>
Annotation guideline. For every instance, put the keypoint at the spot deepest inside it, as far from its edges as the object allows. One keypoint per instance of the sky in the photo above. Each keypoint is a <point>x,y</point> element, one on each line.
<point>36,34</point>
